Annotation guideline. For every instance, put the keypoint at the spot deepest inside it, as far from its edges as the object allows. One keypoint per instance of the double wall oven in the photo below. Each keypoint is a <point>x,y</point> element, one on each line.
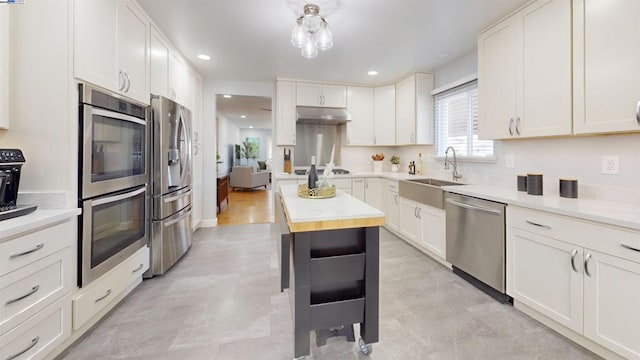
<point>113,181</point>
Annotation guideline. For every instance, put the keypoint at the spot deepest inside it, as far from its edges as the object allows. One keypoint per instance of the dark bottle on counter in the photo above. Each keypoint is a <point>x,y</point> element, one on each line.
<point>313,175</point>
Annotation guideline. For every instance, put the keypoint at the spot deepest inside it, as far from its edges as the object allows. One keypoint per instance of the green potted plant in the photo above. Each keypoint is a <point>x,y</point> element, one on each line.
<point>395,163</point>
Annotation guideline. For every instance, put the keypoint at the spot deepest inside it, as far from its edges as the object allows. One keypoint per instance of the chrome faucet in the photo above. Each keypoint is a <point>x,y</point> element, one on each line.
<point>456,176</point>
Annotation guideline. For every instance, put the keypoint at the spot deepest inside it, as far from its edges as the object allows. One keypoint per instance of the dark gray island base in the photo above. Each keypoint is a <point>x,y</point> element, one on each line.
<point>333,276</point>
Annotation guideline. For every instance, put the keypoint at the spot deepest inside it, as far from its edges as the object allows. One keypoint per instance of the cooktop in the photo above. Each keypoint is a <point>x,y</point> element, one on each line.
<point>320,170</point>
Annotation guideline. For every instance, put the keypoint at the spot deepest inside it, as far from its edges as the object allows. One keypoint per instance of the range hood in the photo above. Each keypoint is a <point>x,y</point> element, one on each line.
<point>322,115</point>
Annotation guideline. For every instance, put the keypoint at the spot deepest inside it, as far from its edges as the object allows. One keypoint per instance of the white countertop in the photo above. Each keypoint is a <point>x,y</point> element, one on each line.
<point>41,217</point>
<point>341,211</point>
<point>608,212</point>
<point>356,174</point>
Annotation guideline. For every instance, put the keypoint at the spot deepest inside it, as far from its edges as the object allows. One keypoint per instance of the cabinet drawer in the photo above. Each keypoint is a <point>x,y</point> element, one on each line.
<point>34,246</point>
<point>341,183</point>
<point>30,289</point>
<point>608,239</point>
<point>337,268</point>
<point>40,334</point>
<point>97,295</point>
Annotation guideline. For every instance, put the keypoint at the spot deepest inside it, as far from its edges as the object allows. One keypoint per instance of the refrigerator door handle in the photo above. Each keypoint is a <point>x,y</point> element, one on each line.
<point>181,215</point>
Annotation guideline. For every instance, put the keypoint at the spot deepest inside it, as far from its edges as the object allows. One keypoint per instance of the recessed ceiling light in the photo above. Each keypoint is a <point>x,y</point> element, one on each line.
<point>250,127</point>
<point>243,116</point>
<point>226,96</point>
<point>443,55</point>
<point>372,72</point>
<point>204,57</point>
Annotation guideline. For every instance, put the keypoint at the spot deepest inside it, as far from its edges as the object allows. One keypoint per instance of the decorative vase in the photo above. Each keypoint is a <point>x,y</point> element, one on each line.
<point>394,167</point>
<point>377,166</point>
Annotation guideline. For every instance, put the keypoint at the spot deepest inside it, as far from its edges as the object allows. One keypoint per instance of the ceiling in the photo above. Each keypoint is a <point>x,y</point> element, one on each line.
<point>257,110</point>
<point>250,40</point>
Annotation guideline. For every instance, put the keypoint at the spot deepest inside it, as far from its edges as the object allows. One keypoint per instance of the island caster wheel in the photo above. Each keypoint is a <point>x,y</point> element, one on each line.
<point>364,347</point>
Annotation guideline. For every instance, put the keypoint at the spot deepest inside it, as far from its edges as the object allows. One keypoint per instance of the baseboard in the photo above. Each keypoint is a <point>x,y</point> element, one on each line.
<point>208,223</point>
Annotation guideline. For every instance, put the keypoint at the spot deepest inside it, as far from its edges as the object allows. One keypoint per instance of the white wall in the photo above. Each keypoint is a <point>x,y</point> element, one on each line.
<point>229,136</point>
<point>456,69</point>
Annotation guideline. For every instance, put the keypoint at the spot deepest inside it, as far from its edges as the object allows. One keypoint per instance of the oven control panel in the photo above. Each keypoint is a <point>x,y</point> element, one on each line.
<point>11,156</point>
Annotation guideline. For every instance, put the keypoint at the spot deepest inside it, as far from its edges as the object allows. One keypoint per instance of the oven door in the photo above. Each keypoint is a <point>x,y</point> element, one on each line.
<point>114,151</point>
<point>113,228</point>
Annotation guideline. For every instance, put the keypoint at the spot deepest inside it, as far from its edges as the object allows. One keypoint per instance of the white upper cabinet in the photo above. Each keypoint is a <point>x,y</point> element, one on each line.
<point>606,66</point>
<point>4,67</point>
<point>524,73</point>
<point>322,95</point>
<point>158,64</point>
<point>111,47</point>
<point>360,106</point>
<point>286,113</point>
<point>384,115</point>
<point>180,81</point>
<point>414,110</point>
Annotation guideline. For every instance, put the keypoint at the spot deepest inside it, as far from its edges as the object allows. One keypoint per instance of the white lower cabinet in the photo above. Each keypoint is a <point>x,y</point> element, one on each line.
<point>98,294</point>
<point>424,226</point>
<point>358,188</point>
<point>372,196</point>
<point>581,274</point>
<point>391,204</point>
<point>409,222</point>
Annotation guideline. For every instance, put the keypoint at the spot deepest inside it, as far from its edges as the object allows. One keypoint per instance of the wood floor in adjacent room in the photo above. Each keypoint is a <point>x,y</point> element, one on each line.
<point>248,207</point>
<point>222,301</point>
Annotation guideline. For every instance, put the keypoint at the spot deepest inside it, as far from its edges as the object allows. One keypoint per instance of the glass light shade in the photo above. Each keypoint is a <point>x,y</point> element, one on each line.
<point>310,50</point>
<point>299,36</point>
<point>312,22</point>
<point>323,38</point>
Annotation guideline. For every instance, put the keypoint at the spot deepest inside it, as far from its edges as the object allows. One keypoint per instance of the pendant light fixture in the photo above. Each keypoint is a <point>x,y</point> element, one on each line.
<point>311,32</point>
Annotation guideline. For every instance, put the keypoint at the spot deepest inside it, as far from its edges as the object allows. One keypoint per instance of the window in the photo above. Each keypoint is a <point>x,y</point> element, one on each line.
<point>456,122</point>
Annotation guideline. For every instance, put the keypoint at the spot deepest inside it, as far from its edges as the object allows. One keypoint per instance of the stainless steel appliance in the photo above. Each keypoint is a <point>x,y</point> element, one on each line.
<point>317,140</point>
<point>476,242</point>
<point>170,183</point>
<point>11,161</point>
<point>113,151</point>
<point>112,181</point>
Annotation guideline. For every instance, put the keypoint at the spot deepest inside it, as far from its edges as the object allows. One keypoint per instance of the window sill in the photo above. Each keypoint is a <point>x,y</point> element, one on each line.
<point>470,159</point>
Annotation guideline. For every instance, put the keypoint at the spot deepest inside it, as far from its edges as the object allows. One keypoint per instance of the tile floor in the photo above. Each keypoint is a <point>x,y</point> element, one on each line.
<point>222,302</point>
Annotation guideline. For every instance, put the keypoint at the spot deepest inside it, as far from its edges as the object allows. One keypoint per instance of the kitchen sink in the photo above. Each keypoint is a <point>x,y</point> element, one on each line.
<point>426,191</point>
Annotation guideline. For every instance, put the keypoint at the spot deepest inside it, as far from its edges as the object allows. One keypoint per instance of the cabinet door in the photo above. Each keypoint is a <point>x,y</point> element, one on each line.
<point>308,94</point>
<point>133,37</point>
<point>611,298</point>
<point>406,111</point>
<point>545,97</point>
<point>177,76</point>
<point>198,162</point>
<point>606,58</point>
<point>384,115</point>
<point>159,64</point>
<point>357,188</point>
<point>4,67</point>
<point>286,113</point>
<point>95,43</point>
<point>360,106</point>
<point>540,275</point>
<point>497,81</point>
<point>409,226</point>
<point>432,234</point>
<point>334,96</point>
<point>372,194</point>
<point>392,204</point>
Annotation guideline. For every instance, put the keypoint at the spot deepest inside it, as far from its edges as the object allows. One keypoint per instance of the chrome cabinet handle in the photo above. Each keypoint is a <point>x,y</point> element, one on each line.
<point>128,83</point>
<point>586,264</point>
<point>31,292</point>
<point>195,150</point>
<point>518,125</point>
<point>366,184</point>
<point>574,253</point>
<point>103,297</point>
<point>415,212</point>
<point>511,126</point>
<point>396,199</point>
<point>34,342</point>
<point>38,247</point>
<point>137,269</point>
<point>121,80</point>
<point>630,247</point>
<point>419,213</point>
<point>538,225</point>
<point>638,112</point>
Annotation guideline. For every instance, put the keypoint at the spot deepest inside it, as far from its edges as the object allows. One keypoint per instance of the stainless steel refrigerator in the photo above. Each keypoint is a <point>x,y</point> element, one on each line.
<point>171,183</point>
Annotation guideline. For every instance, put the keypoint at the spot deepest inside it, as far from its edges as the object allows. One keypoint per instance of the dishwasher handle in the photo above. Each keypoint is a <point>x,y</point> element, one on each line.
<point>473,207</point>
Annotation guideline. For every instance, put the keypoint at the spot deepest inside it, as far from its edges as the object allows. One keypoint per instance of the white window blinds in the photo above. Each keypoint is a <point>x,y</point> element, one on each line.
<point>456,122</point>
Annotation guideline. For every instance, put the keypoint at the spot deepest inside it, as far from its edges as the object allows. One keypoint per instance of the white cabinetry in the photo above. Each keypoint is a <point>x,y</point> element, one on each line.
<point>391,204</point>
<point>423,226</point>
<point>159,63</point>
<point>384,115</point>
<point>180,81</point>
<point>358,188</point>
<point>583,275</point>
<point>524,73</point>
<point>111,47</point>
<point>4,67</point>
<point>286,113</point>
<point>414,110</point>
<point>372,192</point>
<point>360,130</point>
<point>409,222</point>
<point>606,71</point>
<point>198,161</point>
<point>322,95</point>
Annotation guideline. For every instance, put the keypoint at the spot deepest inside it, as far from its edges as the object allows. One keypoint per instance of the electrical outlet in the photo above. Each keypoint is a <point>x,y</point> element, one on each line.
<point>509,161</point>
<point>610,164</point>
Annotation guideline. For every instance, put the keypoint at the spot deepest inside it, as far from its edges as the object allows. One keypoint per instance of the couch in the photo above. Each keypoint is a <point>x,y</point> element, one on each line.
<point>246,178</point>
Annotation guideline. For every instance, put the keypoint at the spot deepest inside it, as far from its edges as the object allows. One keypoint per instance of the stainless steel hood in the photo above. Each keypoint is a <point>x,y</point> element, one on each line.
<point>322,115</point>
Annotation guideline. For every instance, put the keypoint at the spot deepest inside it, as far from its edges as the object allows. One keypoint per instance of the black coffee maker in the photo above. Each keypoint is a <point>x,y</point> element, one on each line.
<point>11,161</point>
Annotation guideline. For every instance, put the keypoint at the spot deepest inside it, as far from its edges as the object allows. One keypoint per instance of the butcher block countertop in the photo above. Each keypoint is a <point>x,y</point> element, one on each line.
<point>340,212</point>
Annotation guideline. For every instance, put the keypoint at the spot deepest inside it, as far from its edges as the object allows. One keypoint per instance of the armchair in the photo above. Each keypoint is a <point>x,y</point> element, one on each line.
<point>244,177</point>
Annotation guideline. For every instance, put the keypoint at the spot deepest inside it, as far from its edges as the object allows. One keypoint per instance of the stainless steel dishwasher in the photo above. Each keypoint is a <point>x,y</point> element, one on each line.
<point>476,242</point>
